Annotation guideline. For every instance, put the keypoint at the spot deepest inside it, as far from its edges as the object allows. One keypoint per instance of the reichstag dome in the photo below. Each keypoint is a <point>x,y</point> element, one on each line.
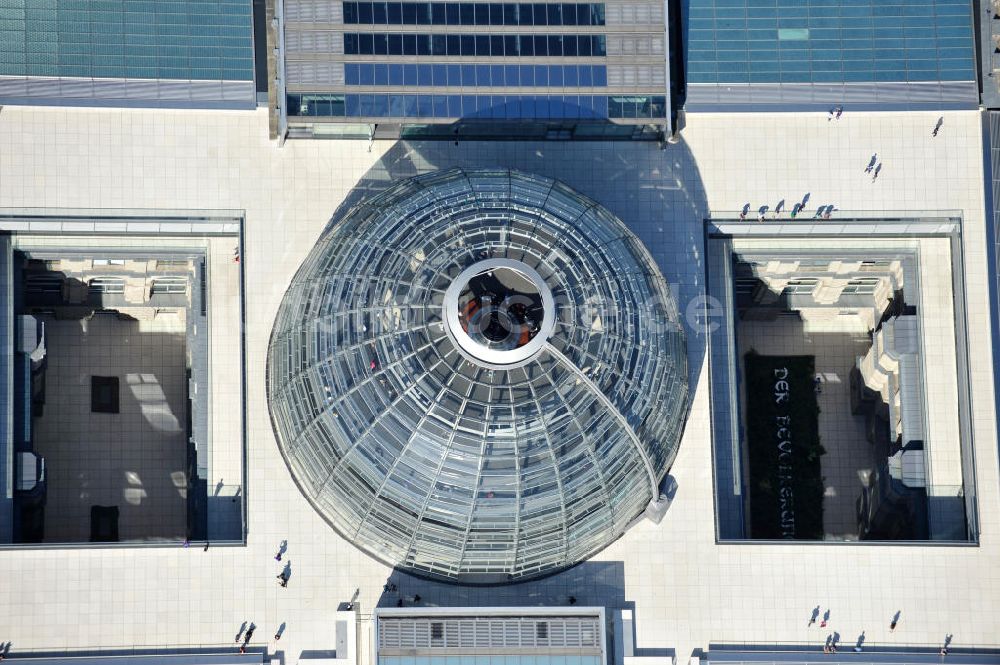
<point>478,376</point>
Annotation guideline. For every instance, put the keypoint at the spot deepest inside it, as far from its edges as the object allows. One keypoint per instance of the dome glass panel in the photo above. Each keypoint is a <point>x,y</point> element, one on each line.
<point>478,376</point>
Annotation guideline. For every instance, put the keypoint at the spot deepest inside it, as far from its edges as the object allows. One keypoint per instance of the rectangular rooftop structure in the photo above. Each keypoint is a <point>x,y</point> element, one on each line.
<point>477,636</point>
<point>175,54</point>
<point>452,70</point>
<point>792,55</point>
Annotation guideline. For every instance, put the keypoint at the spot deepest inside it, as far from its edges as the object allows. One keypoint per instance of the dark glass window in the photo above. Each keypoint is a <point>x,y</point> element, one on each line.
<point>423,14</point>
<point>469,105</point>
<point>321,106</point>
<point>351,75</point>
<point>482,44</point>
<point>569,44</point>
<point>468,13</point>
<point>409,44</point>
<point>540,14</point>
<point>395,74</point>
<point>409,74</point>
<point>510,45</point>
<point>440,106</point>
<point>396,106</point>
<point>440,75</point>
<point>510,14</point>
<point>555,45</point>
<point>425,106</point>
<point>496,14</point>
<point>395,44</point>
<point>409,106</point>
<point>568,14</point>
<point>524,14</point>
<point>555,14</point>
<point>541,74</point>
<point>352,106</point>
<point>496,45</point>
<point>350,12</point>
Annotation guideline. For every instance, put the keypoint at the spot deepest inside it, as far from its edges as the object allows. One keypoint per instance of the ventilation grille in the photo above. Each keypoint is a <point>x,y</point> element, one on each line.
<point>634,45</point>
<point>646,14</point>
<point>489,632</point>
<point>314,41</point>
<point>636,75</point>
<point>314,11</point>
<point>314,72</point>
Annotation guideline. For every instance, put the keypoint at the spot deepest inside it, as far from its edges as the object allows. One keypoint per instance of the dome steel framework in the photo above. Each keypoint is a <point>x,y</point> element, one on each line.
<point>478,375</point>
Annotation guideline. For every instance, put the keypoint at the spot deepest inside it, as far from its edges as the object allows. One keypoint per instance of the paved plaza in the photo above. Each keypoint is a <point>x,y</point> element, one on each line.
<point>687,590</point>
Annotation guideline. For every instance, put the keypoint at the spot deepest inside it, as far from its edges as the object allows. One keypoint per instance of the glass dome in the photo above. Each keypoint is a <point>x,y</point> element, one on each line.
<point>478,375</point>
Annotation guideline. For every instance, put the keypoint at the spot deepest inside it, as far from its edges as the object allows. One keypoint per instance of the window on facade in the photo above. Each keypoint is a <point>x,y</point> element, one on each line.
<point>162,285</point>
<point>107,285</point>
<point>171,263</point>
<point>483,45</point>
<point>469,13</point>
<point>802,286</point>
<point>861,286</point>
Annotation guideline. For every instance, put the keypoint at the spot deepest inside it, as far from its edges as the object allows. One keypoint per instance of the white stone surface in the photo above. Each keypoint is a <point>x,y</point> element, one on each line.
<point>688,591</point>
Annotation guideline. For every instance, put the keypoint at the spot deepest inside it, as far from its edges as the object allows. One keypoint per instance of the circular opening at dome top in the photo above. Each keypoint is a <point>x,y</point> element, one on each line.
<point>500,308</point>
<point>499,311</point>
